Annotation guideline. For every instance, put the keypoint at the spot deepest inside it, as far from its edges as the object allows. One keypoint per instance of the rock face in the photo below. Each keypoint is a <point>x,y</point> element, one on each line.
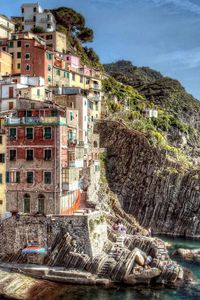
<point>157,191</point>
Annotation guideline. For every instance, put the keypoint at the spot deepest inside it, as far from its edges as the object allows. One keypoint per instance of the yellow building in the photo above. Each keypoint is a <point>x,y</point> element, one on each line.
<point>93,87</point>
<point>39,93</point>
<point>5,63</point>
<point>2,168</point>
<point>55,40</point>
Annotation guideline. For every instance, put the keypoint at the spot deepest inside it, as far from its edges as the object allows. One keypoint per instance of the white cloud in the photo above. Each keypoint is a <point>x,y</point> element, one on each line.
<point>186,5</point>
<point>184,59</point>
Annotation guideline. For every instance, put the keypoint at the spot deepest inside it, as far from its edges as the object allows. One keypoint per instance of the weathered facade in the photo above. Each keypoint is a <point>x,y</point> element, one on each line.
<point>37,161</point>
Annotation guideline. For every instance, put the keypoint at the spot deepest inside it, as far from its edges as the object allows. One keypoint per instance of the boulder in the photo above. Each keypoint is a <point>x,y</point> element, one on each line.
<point>143,276</point>
<point>140,258</point>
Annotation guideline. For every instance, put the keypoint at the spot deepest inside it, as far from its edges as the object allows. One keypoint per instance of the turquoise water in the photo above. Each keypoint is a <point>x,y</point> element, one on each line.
<point>126,293</point>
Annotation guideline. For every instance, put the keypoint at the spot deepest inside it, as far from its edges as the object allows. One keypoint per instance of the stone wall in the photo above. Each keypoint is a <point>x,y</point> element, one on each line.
<point>88,231</point>
<point>156,190</point>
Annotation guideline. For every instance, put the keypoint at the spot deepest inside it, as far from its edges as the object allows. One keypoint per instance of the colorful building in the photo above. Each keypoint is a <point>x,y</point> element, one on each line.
<point>2,168</point>
<point>41,173</point>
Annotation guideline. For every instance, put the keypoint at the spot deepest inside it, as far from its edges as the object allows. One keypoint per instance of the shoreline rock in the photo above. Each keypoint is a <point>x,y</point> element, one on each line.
<point>188,254</point>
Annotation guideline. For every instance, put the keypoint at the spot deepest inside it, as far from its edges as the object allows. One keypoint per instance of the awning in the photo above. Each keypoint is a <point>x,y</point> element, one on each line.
<point>34,250</point>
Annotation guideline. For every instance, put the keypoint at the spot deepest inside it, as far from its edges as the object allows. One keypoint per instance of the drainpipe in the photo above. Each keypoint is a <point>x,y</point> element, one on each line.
<point>55,165</point>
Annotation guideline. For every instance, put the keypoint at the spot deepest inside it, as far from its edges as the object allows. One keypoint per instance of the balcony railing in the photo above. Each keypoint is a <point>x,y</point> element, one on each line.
<point>35,121</point>
<point>29,21</point>
<point>46,20</point>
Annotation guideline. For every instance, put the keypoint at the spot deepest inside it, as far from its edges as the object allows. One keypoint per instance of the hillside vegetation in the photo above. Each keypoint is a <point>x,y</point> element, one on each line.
<point>174,128</point>
<point>162,91</point>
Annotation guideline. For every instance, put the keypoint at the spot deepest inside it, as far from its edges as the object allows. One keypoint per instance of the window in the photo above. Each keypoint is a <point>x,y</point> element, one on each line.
<point>29,113</point>
<point>32,105</point>
<point>49,26</point>
<point>13,133</point>
<point>54,113</point>
<point>49,67</point>
<point>18,66</point>
<point>27,56</point>
<point>29,154</point>
<point>19,43</point>
<point>71,116</point>
<point>96,168</point>
<point>66,74</point>
<point>34,18</point>
<point>47,154</point>
<point>1,139</point>
<point>22,10</point>
<point>13,154</point>
<point>12,177</point>
<point>22,27</point>
<point>47,133</point>
<point>18,54</point>
<point>27,203</point>
<point>73,76</point>
<point>1,178</point>
<point>49,56</point>
<point>2,158</point>
<point>41,199</point>
<point>29,177</point>
<point>11,53</point>
<point>58,72</point>
<point>28,67</point>
<point>47,177</point>
<point>87,81</point>
<point>49,78</point>
<point>27,45</point>
<point>29,133</point>
<point>34,9</point>
<point>81,79</point>
<point>11,44</point>
<point>38,92</point>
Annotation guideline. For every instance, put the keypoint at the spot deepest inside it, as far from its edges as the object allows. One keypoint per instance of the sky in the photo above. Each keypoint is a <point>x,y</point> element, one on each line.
<point>161,34</point>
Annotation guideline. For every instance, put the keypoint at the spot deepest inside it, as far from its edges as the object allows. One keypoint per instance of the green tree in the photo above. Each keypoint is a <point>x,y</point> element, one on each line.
<point>74,23</point>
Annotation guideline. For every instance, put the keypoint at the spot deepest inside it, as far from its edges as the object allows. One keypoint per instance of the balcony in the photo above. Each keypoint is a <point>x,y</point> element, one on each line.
<point>95,86</point>
<point>35,121</point>
<point>29,21</point>
<point>6,27</point>
<point>46,20</point>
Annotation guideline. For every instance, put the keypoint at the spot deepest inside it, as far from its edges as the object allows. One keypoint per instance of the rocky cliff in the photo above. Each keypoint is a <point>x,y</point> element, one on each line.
<point>157,191</point>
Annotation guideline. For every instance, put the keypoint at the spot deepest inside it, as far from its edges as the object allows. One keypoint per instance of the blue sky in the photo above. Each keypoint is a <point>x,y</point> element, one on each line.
<point>161,34</point>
